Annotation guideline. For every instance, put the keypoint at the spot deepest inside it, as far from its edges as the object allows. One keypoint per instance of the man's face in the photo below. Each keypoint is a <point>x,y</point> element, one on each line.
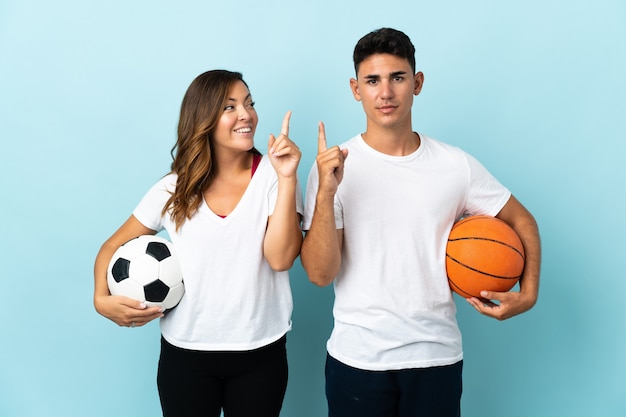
<point>385,85</point>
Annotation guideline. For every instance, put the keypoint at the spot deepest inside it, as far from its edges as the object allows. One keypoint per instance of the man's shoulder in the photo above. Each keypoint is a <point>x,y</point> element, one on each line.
<point>353,141</point>
<point>429,142</point>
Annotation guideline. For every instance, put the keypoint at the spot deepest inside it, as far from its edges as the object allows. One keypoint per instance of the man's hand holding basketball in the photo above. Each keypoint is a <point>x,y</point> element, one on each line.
<point>506,305</point>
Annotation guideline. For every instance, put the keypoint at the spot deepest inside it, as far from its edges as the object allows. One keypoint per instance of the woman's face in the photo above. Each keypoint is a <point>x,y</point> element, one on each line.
<point>236,127</point>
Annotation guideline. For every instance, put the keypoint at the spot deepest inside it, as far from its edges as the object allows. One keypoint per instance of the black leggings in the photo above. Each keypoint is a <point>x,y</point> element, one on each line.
<point>242,383</point>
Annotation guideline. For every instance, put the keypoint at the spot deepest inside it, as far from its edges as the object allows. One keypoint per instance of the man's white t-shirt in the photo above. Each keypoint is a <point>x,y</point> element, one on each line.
<point>393,305</point>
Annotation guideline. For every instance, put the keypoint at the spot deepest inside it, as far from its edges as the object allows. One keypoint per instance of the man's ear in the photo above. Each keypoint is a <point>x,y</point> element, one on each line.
<point>419,83</point>
<point>354,86</point>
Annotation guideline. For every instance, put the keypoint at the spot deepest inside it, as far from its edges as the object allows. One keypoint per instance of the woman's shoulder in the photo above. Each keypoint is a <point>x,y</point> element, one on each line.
<point>166,183</point>
<point>263,165</point>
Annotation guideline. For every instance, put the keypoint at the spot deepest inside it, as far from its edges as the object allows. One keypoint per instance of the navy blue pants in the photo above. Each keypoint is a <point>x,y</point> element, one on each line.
<point>242,383</point>
<point>422,392</point>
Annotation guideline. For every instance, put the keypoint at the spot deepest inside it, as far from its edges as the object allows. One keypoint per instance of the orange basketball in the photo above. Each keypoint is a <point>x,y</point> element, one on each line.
<point>483,253</point>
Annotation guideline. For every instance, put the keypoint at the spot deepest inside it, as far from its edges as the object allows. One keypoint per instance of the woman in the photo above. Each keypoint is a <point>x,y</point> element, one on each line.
<point>233,216</point>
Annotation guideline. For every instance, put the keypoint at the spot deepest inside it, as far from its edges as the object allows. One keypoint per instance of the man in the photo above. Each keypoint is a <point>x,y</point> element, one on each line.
<point>378,212</point>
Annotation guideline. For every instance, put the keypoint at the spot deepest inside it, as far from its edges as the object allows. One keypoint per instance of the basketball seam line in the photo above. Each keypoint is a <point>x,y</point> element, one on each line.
<point>460,290</point>
<point>478,270</point>
<point>488,240</point>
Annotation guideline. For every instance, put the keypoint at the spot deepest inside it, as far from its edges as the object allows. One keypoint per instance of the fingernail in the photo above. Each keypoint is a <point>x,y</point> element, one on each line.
<point>143,305</point>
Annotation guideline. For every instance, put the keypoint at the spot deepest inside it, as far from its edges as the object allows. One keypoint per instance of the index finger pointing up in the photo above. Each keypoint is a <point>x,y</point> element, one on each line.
<point>284,130</point>
<point>321,138</point>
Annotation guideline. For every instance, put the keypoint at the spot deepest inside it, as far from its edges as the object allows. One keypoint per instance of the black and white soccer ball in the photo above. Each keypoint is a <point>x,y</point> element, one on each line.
<point>146,269</point>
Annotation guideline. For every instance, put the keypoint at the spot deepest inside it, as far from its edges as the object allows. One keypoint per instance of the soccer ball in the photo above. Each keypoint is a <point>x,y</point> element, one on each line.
<point>146,269</point>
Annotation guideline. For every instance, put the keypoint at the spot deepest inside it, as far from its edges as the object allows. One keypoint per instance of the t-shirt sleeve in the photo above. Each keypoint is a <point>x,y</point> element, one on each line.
<point>299,200</point>
<point>486,194</point>
<point>309,198</point>
<point>149,209</point>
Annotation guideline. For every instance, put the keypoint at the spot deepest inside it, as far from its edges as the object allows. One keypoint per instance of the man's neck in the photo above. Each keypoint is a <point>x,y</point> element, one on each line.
<point>395,142</point>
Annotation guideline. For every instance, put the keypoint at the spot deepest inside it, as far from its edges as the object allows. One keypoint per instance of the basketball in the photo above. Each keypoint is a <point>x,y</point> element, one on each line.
<point>483,253</point>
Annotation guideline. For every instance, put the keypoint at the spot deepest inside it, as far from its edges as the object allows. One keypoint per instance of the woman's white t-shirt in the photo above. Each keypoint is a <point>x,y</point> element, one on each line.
<point>233,300</point>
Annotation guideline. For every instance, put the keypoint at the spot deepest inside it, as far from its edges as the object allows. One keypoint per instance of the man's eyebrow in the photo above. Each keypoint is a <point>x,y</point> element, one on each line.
<point>391,75</point>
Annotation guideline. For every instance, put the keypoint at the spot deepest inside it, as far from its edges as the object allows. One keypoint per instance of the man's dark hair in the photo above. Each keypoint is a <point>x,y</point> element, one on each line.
<point>384,41</point>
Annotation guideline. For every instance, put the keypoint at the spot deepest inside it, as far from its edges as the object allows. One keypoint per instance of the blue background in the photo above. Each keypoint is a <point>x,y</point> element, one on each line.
<point>89,100</point>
